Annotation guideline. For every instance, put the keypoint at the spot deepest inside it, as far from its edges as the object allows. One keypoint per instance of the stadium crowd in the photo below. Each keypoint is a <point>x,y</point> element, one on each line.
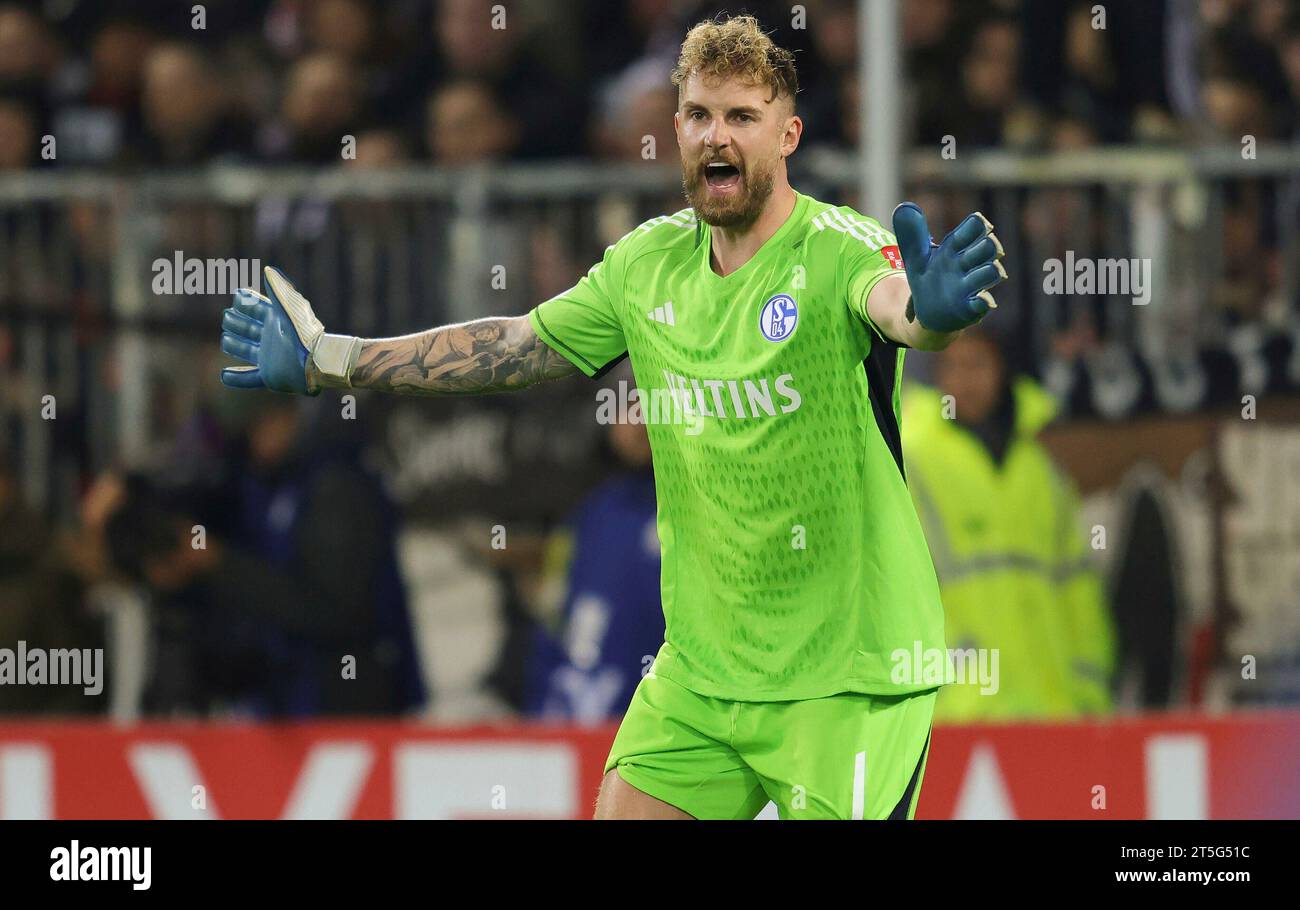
<point>154,84</point>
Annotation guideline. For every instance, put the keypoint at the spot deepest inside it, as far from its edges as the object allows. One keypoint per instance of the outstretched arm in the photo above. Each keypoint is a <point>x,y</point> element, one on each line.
<point>287,350</point>
<point>495,354</point>
<point>889,303</point>
<point>947,284</point>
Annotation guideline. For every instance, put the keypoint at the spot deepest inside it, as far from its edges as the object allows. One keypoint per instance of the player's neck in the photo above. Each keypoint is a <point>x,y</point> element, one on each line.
<point>733,247</point>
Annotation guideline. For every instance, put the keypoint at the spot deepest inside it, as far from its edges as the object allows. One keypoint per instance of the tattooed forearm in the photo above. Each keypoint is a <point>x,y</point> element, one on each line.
<point>488,355</point>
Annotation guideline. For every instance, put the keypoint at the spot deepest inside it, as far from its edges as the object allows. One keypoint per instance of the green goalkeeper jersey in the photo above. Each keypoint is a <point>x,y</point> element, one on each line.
<point>794,565</point>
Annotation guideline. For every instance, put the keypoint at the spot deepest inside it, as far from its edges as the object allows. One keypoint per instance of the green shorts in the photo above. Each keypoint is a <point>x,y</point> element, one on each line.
<point>845,756</point>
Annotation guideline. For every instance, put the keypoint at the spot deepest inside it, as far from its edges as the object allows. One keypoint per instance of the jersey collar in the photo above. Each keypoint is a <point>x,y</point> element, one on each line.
<point>796,217</point>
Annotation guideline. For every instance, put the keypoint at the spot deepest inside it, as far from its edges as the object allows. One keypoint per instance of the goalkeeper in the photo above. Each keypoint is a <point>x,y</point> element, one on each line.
<point>795,575</point>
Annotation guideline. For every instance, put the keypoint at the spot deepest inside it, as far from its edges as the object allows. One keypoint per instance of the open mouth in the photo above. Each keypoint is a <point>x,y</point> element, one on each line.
<point>721,176</point>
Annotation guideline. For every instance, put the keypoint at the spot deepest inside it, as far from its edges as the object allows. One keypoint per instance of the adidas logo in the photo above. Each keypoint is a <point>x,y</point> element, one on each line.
<point>663,314</point>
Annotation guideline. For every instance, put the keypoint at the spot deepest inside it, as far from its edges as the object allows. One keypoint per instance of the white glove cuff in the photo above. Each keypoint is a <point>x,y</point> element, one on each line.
<point>335,356</point>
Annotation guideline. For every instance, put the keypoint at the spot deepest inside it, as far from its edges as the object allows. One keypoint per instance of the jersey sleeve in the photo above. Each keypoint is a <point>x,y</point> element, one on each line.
<point>869,255</point>
<point>583,323</point>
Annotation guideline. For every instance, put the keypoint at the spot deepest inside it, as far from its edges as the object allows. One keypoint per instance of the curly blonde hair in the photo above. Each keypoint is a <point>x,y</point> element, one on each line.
<point>737,47</point>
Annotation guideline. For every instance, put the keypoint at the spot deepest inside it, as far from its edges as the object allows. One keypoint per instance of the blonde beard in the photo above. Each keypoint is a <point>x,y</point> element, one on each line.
<point>743,211</point>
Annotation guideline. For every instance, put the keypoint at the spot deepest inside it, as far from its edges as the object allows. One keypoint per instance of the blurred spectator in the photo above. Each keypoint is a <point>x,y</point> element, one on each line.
<point>636,107</point>
<point>186,113</point>
<point>552,263</point>
<point>117,54</point>
<point>108,123</point>
<point>612,622</point>
<point>321,105</point>
<point>267,621</point>
<point>1091,91</point>
<point>616,33</point>
<point>1236,108</point>
<point>1102,63</point>
<point>927,27</point>
<point>345,28</point>
<point>1250,276</point>
<point>825,70</point>
<point>1002,522</point>
<point>1290,56</point>
<point>965,88</point>
<point>18,140</point>
<point>379,149</point>
<point>42,603</point>
<point>471,43</point>
<point>28,60</point>
<point>27,56</point>
<point>467,124</point>
<point>989,82</point>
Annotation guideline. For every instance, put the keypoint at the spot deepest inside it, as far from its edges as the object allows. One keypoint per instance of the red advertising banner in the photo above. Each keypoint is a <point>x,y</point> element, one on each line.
<point>1179,766</point>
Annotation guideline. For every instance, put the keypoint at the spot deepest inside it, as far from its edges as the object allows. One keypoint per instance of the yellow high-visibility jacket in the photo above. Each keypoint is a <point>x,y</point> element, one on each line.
<point>1013,563</point>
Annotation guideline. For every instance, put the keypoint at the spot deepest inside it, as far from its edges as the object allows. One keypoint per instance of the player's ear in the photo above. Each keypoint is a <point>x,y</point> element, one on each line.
<point>791,136</point>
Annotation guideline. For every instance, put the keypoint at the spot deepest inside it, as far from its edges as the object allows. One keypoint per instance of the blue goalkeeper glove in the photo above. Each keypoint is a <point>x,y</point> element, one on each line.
<point>949,281</point>
<point>280,337</point>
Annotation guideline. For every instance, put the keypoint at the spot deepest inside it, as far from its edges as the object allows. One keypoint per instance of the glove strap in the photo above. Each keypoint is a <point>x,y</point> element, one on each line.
<point>335,356</point>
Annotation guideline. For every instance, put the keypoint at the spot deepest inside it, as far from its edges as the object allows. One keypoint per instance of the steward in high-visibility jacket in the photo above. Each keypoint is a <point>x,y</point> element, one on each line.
<point>1012,557</point>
